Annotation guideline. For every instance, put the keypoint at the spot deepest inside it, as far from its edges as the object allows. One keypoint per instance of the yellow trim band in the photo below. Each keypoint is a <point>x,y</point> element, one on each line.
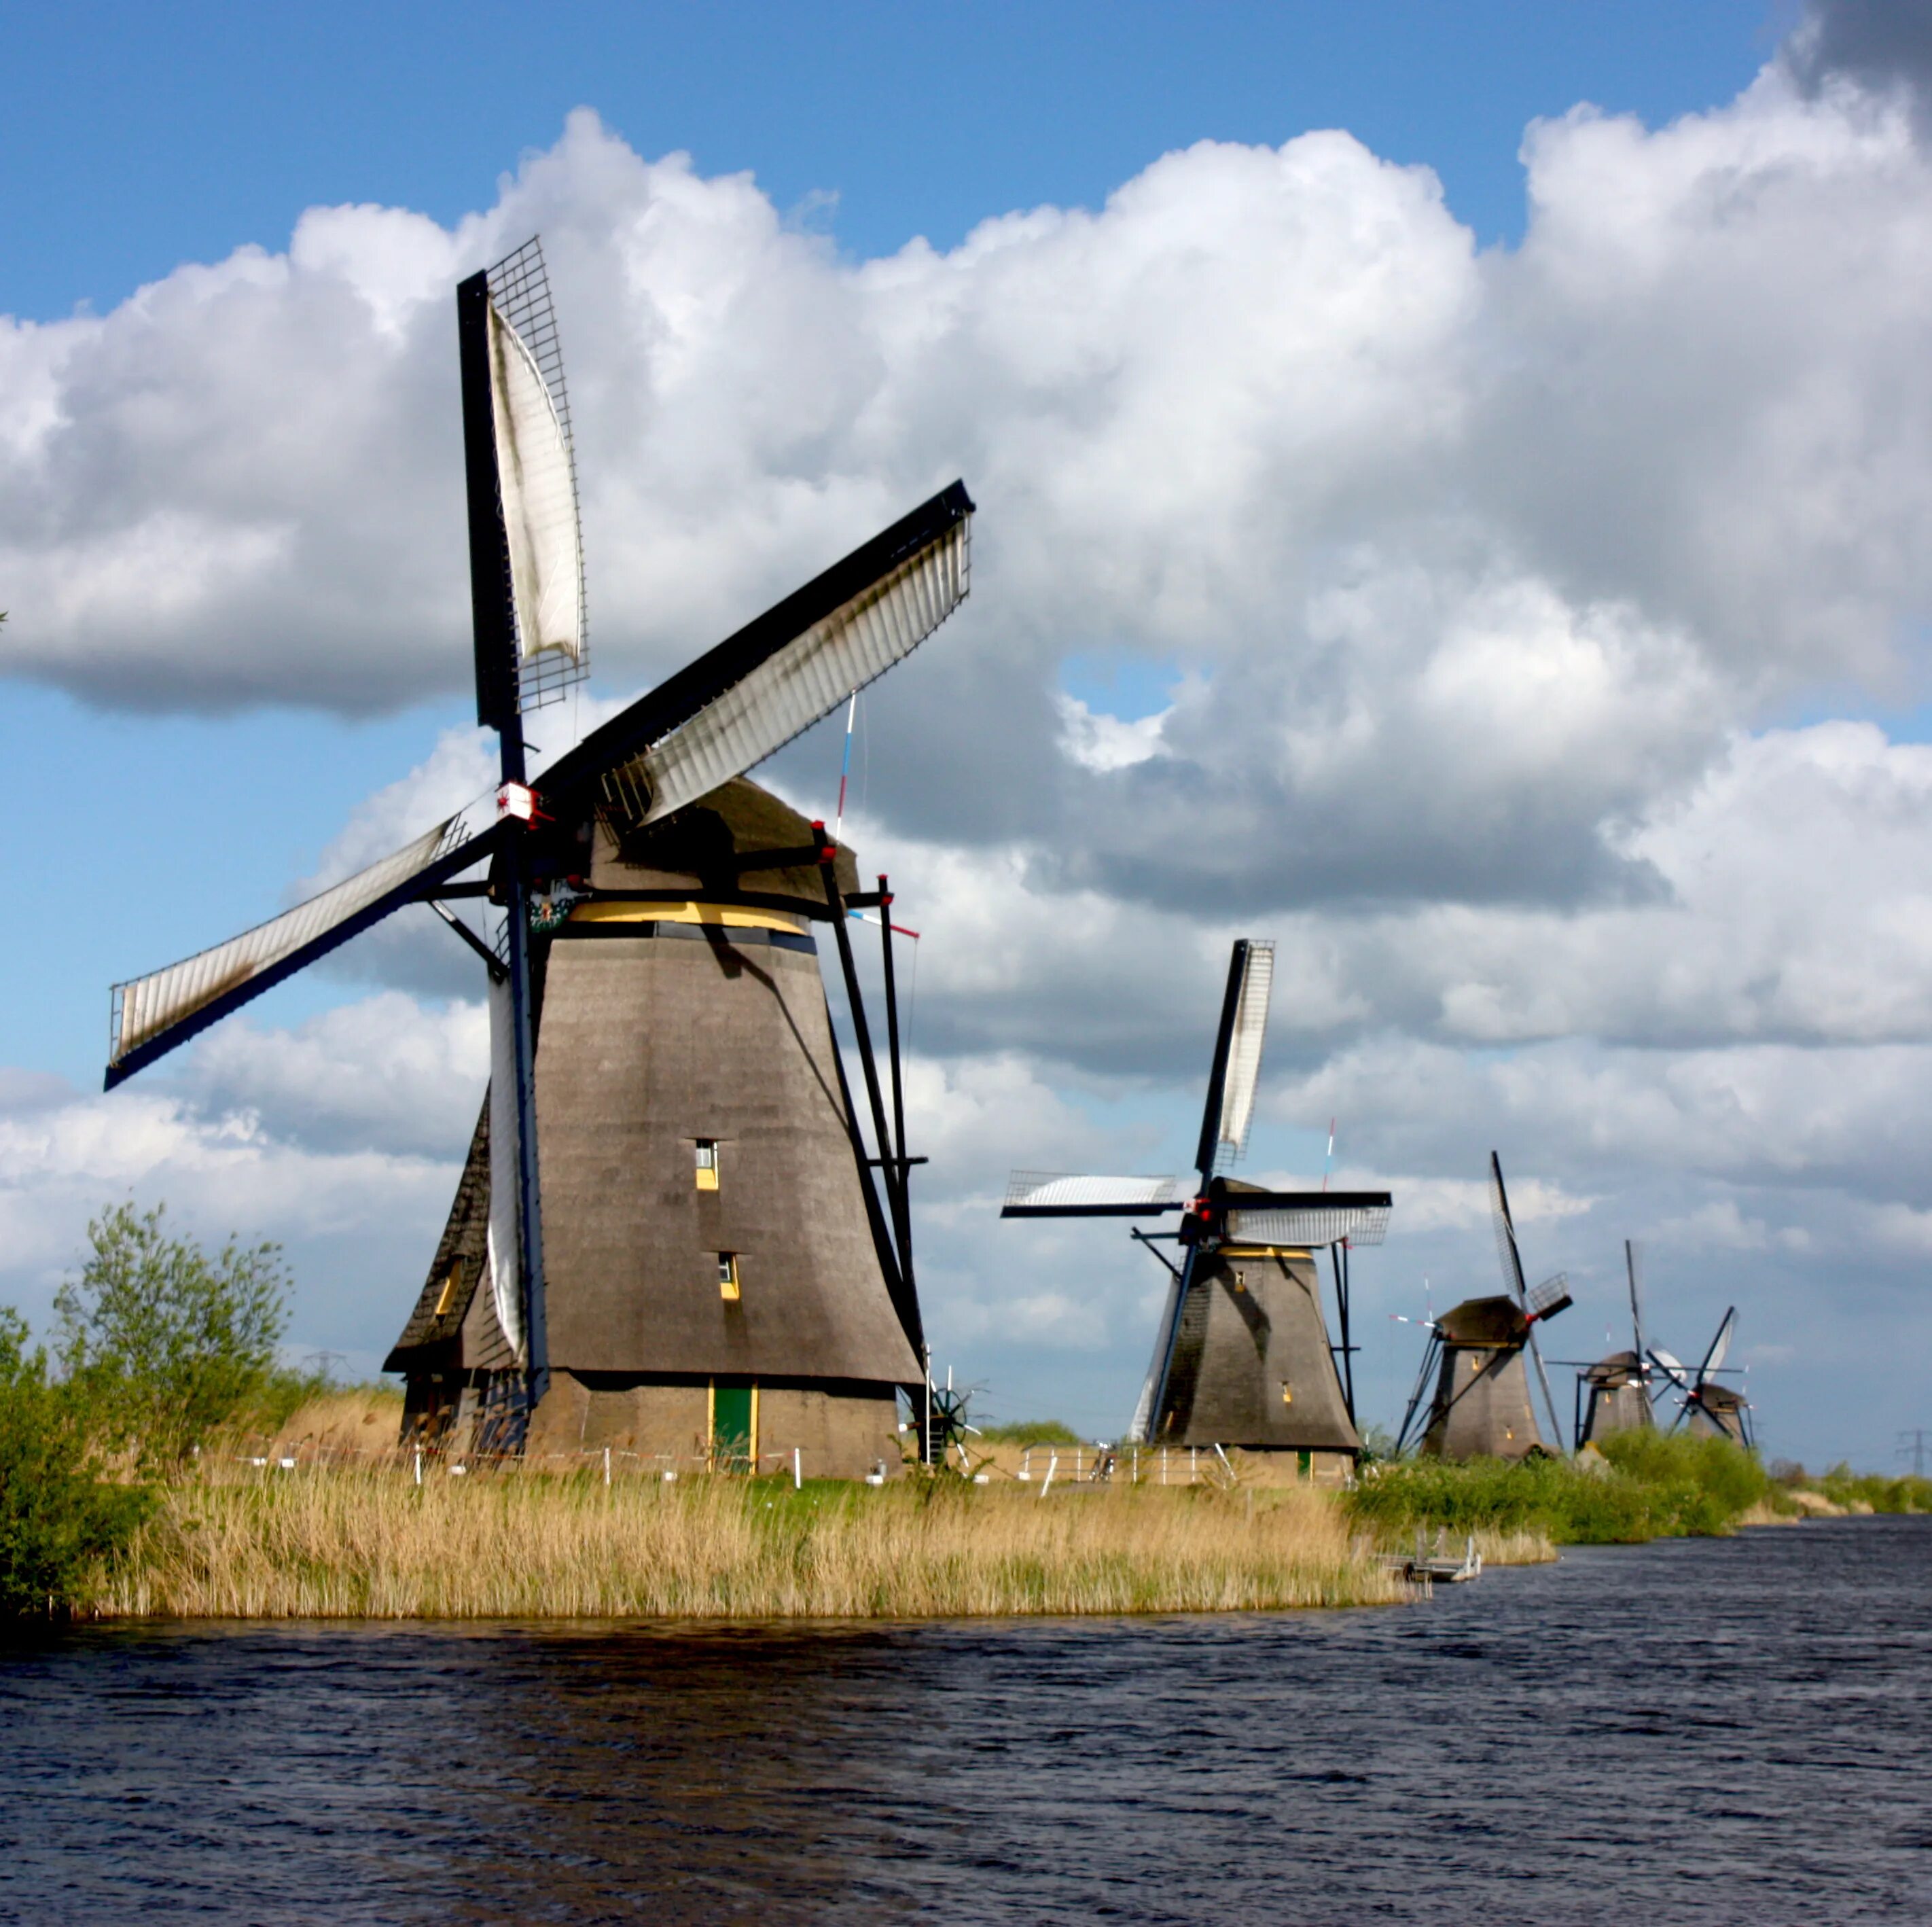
<point>724,916</point>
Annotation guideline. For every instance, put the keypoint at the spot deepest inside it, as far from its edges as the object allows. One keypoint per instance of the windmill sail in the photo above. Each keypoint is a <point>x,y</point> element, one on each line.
<point>1720,1345</point>
<point>153,1014</point>
<point>525,527</point>
<point>1552,1300</point>
<point>539,498</point>
<point>1163,1349</point>
<point>1056,1194</point>
<point>780,674</point>
<point>504,1269</point>
<point>1311,1219</point>
<point>1237,1056</point>
<point>1633,1267</point>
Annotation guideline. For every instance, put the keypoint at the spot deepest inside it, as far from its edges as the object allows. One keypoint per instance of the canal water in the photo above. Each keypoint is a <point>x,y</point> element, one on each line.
<point>1728,1730</point>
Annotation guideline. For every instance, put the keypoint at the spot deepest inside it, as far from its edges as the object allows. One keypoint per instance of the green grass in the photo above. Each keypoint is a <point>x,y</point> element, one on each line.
<point>1651,1487</point>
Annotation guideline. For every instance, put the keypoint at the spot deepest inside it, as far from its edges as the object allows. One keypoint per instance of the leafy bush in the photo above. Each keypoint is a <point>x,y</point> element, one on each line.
<point>165,1342</point>
<point>1844,1487</point>
<point>1647,1487</point>
<point>56,1518</point>
<point>1030,1432</point>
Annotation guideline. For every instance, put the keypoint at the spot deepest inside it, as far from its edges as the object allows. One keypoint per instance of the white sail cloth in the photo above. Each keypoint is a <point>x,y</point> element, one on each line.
<point>538,488</point>
<point>504,1269</point>
<point>1244,1053</point>
<point>145,1007</point>
<point>1048,1191</point>
<point>789,692</point>
<point>1137,1433</point>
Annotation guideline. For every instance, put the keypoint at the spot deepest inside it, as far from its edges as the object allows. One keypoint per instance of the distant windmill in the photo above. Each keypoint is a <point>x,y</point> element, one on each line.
<point>1708,1409</point>
<point>703,1250</point>
<point>1613,1393</point>
<point>1243,1357</point>
<point>1472,1397</point>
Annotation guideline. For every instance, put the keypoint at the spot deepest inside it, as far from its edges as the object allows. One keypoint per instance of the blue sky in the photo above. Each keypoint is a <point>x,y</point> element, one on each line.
<point>144,136</point>
<point>137,137</point>
<point>1548,559</point>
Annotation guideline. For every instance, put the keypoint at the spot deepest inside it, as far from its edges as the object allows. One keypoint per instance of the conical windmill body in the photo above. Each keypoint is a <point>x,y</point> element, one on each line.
<point>1613,1394</point>
<point>1473,1397</point>
<point>1243,1357</point>
<point>1707,1407</point>
<point>671,1233</point>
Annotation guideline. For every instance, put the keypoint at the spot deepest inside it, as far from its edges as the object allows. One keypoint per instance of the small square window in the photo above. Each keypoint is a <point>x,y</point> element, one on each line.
<point>705,1151</point>
<point>446,1297</point>
<point>727,1277</point>
<point>1287,1393</point>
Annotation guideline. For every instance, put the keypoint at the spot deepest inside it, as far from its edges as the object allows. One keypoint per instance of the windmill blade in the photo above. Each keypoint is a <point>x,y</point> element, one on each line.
<point>1671,1368</point>
<point>1307,1220</point>
<point>1142,1423</point>
<point>780,673</point>
<point>1505,1230</point>
<point>1549,1297</point>
<point>1237,1067</point>
<point>537,476</point>
<point>1633,1267</point>
<point>153,1014</point>
<point>1713,1358</point>
<point>1543,1380</point>
<point>525,536</point>
<point>1058,1194</point>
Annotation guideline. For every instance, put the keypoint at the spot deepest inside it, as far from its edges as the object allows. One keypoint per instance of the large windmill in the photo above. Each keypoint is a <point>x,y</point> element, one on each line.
<point>1243,1357</point>
<point>670,1231</point>
<point>1613,1392</point>
<point>1473,1376</point>
<point>1707,1408</point>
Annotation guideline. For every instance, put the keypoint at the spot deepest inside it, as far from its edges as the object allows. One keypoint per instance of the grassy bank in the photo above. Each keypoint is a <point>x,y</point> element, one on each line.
<point>1643,1486</point>
<point>328,1542</point>
<point>1843,1493</point>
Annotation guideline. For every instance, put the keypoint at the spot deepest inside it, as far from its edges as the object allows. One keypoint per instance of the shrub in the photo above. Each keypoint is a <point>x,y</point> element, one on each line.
<point>1882,1493</point>
<point>1650,1487</point>
<point>1030,1432</point>
<point>56,1518</point>
<point>166,1342</point>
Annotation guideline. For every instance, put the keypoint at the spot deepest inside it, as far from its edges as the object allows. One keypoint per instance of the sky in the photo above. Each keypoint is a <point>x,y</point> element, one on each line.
<point>1452,485</point>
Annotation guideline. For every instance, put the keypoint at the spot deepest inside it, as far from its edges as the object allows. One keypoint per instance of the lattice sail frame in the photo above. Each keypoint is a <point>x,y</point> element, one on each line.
<point>519,294</point>
<point>785,695</point>
<point>1310,1228</point>
<point>1050,1194</point>
<point>1245,1044</point>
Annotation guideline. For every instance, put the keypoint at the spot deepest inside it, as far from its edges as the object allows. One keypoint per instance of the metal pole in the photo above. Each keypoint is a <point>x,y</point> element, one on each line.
<point>861,1030</point>
<point>529,1213</point>
<point>901,1171</point>
<point>1339,1253</point>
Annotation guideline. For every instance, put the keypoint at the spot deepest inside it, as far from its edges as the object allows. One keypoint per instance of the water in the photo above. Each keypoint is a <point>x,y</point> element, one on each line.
<point>1723,1731</point>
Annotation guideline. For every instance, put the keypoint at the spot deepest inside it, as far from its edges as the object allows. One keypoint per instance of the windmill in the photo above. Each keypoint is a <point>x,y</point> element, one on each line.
<point>1473,1376</point>
<point>670,1231</point>
<point>1242,1356</point>
<point>1709,1409</point>
<point>1613,1393</point>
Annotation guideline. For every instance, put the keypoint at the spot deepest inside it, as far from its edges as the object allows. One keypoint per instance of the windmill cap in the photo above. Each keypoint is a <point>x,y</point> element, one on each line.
<point>1490,1320</point>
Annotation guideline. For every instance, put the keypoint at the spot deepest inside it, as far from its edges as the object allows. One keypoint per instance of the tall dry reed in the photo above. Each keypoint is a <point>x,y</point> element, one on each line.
<point>369,1543</point>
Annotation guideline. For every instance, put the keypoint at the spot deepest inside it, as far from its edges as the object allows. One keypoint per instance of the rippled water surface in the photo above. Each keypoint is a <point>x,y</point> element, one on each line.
<point>1723,1731</point>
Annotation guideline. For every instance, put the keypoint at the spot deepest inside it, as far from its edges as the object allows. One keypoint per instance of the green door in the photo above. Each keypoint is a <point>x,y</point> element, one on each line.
<point>732,1444</point>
